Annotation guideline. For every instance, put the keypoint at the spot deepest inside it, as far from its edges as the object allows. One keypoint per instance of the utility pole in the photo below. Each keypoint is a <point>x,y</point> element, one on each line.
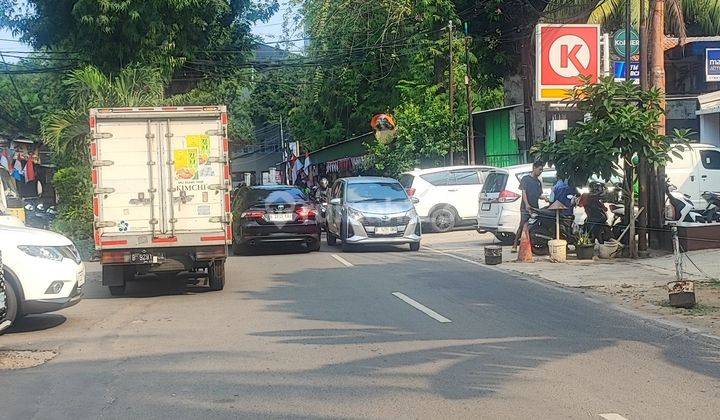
<point>285,154</point>
<point>451,91</point>
<point>643,167</point>
<point>468,93</point>
<point>628,26</point>
<point>657,79</point>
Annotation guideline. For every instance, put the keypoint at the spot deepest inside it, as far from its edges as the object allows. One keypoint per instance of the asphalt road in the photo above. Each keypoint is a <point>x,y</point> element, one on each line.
<point>336,335</point>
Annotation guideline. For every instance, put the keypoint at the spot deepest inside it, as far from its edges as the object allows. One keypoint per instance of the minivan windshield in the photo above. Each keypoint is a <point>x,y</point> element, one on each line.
<point>375,191</point>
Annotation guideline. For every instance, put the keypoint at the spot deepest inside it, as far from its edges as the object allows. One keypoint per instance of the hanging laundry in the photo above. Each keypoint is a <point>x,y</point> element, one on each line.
<point>5,160</point>
<point>17,172</point>
<point>30,171</point>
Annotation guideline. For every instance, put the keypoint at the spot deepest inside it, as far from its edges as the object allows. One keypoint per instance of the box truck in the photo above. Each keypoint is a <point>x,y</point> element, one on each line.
<point>161,203</point>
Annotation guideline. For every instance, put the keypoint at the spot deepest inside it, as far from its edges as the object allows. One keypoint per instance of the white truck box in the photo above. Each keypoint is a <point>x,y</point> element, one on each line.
<point>162,191</point>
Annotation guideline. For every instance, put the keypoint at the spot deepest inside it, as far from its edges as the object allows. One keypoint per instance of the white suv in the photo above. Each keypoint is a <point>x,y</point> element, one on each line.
<point>43,271</point>
<point>447,196</point>
<point>500,199</point>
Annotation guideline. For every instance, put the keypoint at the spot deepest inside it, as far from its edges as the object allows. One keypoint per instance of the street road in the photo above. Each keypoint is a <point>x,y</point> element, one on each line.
<point>379,334</point>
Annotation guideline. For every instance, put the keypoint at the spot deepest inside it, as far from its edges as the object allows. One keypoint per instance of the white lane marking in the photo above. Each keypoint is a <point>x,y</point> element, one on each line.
<point>417,305</point>
<point>612,416</point>
<point>342,260</point>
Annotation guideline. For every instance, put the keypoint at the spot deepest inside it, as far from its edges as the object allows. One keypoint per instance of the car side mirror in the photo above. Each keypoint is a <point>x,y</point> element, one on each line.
<point>335,202</point>
<point>414,200</point>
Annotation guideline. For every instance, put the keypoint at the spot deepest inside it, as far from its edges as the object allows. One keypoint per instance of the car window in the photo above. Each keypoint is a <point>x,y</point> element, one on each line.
<point>335,190</point>
<point>710,159</point>
<point>468,177</point>
<point>272,196</point>
<point>375,191</point>
<point>437,178</point>
<point>495,182</point>
<point>483,175</point>
<point>406,180</point>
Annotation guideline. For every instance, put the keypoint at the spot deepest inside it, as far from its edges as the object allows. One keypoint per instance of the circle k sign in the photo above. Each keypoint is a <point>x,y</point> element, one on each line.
<point>564,53</point>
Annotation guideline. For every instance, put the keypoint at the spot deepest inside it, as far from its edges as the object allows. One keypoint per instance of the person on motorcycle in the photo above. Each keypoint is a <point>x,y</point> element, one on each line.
<point>563,192</point>
<point>531,188</point>
<point>596,211</point>
<point>321,191</point>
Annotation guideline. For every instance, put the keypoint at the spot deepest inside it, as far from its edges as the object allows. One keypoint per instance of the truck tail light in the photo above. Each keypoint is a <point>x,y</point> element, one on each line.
<point>507,196</point>
<point>253,214</point>
<point>115,257</point>
<point>305,213</point>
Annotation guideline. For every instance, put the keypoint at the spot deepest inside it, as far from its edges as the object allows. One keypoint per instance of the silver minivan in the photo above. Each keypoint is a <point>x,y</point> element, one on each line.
<point>371,210</point>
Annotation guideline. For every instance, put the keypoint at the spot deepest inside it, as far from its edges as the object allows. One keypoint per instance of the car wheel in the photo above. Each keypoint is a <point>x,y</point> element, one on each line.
<point>415,246</point>
<point>442,220</point>
<point>314,246</point>
<point>216,275</point>
<point>13,307</point>
<point>505,238</point>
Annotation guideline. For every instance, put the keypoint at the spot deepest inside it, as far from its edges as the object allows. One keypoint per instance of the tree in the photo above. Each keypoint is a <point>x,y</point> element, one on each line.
<point>66,130</point>
<point>113,34</point>
<point>623,123</point>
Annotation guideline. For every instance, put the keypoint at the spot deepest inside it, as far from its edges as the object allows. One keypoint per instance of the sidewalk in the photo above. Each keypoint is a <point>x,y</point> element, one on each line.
<point>638,284</point>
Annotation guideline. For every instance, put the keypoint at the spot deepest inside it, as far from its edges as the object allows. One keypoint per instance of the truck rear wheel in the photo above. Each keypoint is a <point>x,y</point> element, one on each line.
<point>216,275</point>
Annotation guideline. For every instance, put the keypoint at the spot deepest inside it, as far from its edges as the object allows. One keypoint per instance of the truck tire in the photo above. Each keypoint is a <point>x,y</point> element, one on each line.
<point>216,275</point>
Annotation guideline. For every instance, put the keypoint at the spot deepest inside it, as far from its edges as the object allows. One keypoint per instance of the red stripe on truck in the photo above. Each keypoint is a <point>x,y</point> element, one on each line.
<point>94,177</point>
<point>115,243</point>
<point>164,240</point>
<point>212,238</point>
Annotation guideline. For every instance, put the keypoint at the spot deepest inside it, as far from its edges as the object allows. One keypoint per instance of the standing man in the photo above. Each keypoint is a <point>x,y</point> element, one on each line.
<point>531,187</point>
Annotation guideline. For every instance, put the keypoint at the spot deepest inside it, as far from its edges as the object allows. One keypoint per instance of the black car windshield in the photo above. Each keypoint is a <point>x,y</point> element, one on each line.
<point>375,191</point>
<point>279,196</point>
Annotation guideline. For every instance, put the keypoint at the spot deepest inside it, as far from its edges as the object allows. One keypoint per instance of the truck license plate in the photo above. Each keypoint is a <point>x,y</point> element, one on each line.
<point>141,258</point>
<point>280,217</point>
<point>384,230</point>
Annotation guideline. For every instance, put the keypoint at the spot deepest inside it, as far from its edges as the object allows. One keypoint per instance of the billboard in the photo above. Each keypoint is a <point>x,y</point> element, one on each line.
<point>712,65</point>
<point>564,53</point>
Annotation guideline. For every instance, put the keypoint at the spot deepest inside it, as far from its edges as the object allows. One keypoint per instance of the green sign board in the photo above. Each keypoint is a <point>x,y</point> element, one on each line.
<point>619,42</point>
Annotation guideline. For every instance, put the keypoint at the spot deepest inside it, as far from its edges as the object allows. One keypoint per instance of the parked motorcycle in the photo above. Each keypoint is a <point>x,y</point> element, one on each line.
<point>37,216</point>
<point>712,211</point>
<point>541,227</point>
<point>680,208</point>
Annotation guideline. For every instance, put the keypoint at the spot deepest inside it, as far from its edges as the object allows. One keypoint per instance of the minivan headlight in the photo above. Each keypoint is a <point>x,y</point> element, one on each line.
<point>355,214</point>
<point>45,252</point>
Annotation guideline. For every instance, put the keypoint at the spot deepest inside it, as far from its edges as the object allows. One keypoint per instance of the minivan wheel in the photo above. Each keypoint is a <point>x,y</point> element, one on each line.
<point>414,246</point>
<point>505,238</point>
<point>442,220</point>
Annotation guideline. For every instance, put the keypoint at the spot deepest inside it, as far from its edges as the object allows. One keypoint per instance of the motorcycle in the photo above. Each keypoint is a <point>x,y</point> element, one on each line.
<point>37,216</point>
<point>541,226</point>
<point>680,208</point>
<point>712,211</point>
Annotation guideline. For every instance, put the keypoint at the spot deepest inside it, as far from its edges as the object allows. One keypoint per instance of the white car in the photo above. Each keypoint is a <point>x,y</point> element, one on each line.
<point>43,271</point>
<point>448,196</point>
<point>499,201</point>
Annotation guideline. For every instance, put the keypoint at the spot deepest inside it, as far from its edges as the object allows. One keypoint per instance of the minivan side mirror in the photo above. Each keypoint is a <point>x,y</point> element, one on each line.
<point>335,202</point>
<point>414,200</point>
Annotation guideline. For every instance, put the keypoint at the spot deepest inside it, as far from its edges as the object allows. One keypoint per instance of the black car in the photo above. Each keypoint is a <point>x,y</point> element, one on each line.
<point>265,215</point>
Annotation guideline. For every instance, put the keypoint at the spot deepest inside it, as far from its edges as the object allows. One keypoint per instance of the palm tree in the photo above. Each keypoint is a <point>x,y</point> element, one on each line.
<point>66,131</point>
<point>682,17</point>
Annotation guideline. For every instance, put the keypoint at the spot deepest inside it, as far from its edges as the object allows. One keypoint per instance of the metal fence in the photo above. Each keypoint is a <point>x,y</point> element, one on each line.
<point>502,161</point>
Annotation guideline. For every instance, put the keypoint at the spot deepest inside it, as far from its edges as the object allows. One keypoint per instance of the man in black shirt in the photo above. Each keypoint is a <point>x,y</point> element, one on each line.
<point>531,187</point>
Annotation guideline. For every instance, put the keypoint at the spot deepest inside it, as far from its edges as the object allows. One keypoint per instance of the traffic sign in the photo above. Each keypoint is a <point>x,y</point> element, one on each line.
<point>619,71</point>
<point>619,42</point>
<point>564,54</point>
<point>712,65</point>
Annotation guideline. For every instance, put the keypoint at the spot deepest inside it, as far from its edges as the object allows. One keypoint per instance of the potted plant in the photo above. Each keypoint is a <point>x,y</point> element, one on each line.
<point>585,246</point>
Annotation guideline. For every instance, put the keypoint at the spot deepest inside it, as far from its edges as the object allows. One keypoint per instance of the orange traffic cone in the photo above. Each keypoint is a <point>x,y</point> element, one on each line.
<point>525,252</point>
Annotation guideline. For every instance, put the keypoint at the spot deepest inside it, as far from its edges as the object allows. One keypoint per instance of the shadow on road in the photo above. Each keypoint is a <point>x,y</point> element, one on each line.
<point>32,323</point>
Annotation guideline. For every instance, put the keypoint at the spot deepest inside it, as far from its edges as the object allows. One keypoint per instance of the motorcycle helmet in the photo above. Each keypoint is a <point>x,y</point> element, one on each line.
<point>324,183</point>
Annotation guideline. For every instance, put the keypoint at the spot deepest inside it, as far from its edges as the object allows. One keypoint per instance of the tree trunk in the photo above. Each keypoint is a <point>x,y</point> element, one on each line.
<point>657,79</point>
<point>528,83</point>
<point>643,168</point>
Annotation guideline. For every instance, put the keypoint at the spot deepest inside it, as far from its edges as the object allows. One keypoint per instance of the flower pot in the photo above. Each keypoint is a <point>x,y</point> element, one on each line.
<point>585,252</point>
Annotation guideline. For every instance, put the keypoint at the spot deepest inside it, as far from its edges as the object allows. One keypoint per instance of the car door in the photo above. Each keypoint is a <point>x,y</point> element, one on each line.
<point>465,187</point>
<point>709,174</point>
<point>334,210</point>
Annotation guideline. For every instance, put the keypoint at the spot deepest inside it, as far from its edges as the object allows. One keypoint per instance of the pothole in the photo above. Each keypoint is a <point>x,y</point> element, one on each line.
<point>24,359</point>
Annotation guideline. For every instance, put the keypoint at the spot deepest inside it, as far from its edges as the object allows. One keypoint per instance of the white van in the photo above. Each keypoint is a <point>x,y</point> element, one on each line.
<point>698,171</point>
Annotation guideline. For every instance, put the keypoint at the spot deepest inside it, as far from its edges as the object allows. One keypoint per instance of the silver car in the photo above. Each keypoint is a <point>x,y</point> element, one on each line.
<point>371,210</point>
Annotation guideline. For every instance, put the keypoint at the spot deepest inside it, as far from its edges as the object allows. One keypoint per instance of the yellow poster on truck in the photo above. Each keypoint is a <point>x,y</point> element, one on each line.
<point>186,164</point>
<point>201,142</point>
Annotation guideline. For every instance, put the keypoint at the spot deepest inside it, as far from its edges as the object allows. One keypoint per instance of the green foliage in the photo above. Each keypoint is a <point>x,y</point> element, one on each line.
<point>66,130</point>
<point>623,121</point>
<point>584,239</point>
<point>113,34</point>
<point>75,217</point>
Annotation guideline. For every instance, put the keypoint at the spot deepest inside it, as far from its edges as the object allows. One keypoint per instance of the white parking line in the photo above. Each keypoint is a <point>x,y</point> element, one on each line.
<point>342,260</point>
<point>612,416</point>
<point>427,311</point>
